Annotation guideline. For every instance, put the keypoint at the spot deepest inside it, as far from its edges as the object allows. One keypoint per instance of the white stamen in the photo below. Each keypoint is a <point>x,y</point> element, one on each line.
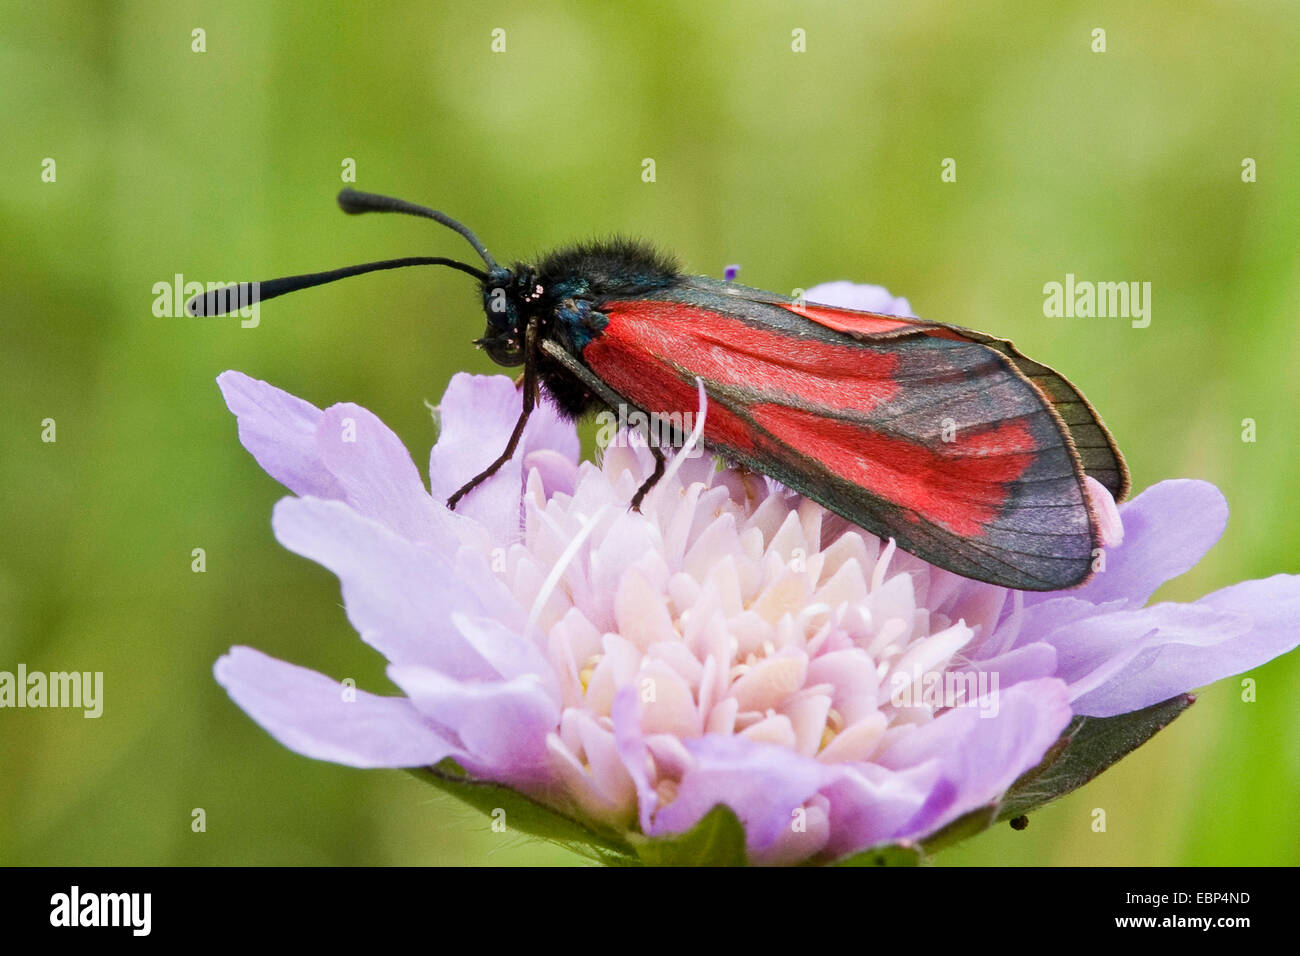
<point>562,565</point>
<point>684,452</point>
<point>882,565</point>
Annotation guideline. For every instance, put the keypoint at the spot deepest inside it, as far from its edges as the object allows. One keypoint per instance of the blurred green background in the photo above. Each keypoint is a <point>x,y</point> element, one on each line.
<point>802,167</point>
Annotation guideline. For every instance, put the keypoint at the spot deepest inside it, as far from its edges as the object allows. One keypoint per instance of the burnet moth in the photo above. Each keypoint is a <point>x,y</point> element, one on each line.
<point>967,453</point>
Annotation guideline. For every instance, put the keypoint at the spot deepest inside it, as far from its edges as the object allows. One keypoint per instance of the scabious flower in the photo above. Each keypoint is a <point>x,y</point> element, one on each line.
<point>731,644</point>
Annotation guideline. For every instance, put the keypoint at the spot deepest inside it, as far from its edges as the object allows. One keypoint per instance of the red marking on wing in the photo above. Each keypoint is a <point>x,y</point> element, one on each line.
<point>961,492</point>
<point>868,323</point>
<point>656,387</point>
<point>725,351</point>
<point>847,320</point>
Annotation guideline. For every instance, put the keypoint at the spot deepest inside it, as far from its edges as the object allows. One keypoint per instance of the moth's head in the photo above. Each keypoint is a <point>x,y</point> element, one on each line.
<point>505,302</point>
<point>560,301</point>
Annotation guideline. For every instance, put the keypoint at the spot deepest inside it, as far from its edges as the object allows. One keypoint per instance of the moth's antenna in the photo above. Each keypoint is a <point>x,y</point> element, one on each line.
<point>354,203</point>
<point>242,294</point>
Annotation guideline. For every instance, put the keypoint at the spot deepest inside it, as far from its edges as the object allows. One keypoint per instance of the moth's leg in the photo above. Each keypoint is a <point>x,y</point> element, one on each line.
<point>493,468</point>
<point>530,402</point>
<point>611,398</point>
<point>652,480</point>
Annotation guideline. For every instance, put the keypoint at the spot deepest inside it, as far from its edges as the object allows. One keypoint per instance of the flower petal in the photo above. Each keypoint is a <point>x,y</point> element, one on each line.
<point>1167,530</point>
<point>764,784</point>
<point>313,715</point>
<point>279,431</point>
<point>399,595</point>
<point>510,653</point>
<point>870,804</point>
<point>1102,650</point>
<point>864,298</point>
<point>380,481</point>
<point>981,749</point>
<point>1268,608</point>
<point>558,472</point>
<point>503,725</point>
<point>1027,662</point>
<point>478,413</point>
<point>632,750</point>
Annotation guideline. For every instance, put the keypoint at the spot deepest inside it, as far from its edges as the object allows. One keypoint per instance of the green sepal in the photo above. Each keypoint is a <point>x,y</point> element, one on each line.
<point>1088,746</point>
<point>909,853</point>
<point>965,826</point>
<point>887,854</point>
<point>717,840</point>
<point>525,815</point>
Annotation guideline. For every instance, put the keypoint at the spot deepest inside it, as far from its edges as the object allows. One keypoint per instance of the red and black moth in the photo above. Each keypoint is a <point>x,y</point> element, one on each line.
<point>967,453</point>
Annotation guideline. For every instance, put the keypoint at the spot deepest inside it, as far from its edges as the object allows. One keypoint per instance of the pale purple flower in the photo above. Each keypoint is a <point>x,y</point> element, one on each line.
<point>733,643</point>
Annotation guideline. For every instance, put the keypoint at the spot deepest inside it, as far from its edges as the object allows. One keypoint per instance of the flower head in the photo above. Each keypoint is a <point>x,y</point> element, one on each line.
<point>732,643</point>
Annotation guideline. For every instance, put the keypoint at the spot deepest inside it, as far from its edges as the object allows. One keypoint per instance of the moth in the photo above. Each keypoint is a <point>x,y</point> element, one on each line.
<point>950,441</point>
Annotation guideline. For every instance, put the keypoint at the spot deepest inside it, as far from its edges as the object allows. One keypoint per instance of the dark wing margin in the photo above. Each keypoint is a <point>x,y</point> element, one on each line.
<point>1098,453</point>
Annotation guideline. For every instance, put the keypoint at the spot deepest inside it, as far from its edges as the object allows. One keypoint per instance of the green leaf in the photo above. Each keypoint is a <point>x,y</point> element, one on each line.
<point>887,854</point>
<point>914,854</point>
<point>967,825</point>
<point>717,840</point>
<point>1088,746</point>
<point>525,815</point>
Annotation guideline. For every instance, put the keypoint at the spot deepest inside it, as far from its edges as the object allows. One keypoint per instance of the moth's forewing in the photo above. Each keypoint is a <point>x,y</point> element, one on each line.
<point>933,438</point>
